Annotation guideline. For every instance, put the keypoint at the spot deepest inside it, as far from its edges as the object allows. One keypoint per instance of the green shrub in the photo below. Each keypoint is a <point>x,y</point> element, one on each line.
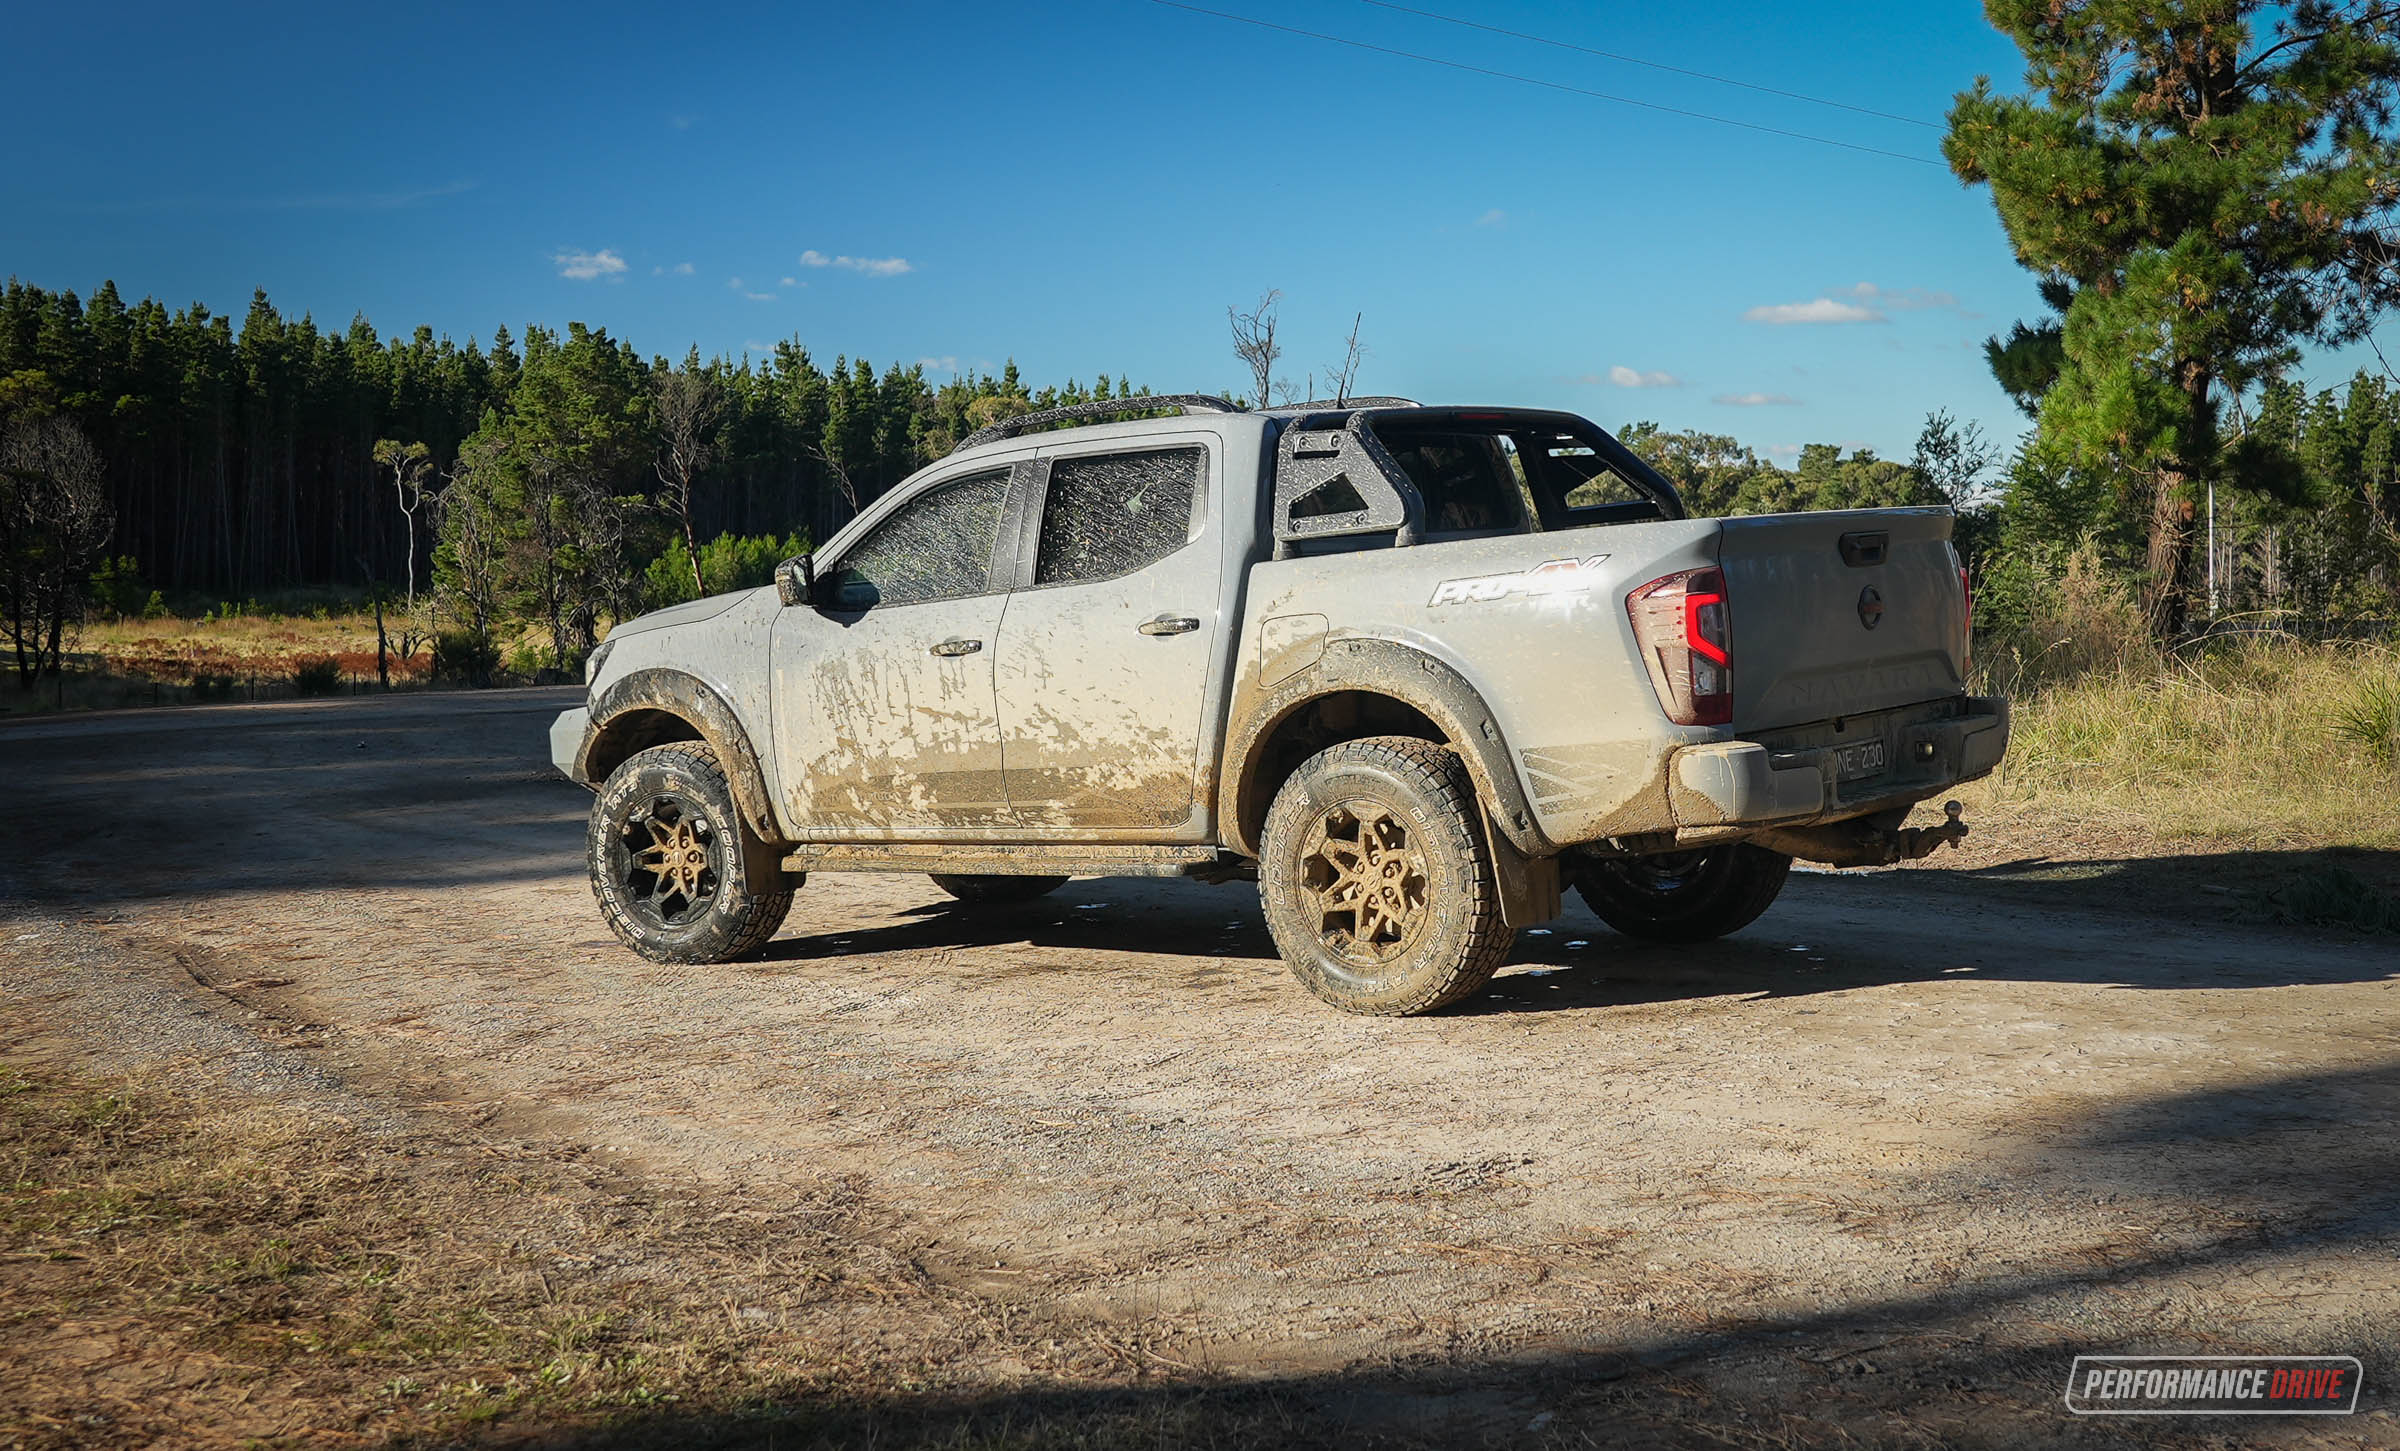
<point>321,676</point>
<point>731,562</point>
<point>463,657</point>
<point>527,660</point>
<point>156,609</point>
<point>117,586</point>
<point>2371,717</point>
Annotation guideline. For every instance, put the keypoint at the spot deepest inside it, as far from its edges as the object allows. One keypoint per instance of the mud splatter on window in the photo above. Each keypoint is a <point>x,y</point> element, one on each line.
<point>938,547</point>
<point>1111,514</point>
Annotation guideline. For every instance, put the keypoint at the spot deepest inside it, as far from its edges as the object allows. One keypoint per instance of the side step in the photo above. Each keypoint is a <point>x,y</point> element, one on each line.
<point>1011,859</point>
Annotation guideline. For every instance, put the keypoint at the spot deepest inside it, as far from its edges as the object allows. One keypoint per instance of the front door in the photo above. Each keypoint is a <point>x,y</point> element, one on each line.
<point>885,721</point>
<point>1103,666</point>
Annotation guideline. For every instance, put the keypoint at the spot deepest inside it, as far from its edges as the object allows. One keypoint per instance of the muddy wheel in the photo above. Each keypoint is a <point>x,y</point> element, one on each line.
<point>1377,883</point>
<point>667,862</point>
<point>997,889</point>
<point>1685,896</point>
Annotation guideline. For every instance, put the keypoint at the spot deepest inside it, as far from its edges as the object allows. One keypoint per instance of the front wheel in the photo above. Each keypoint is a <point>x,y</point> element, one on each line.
<point>1378,886</point>
<point>1684,896</point>
<point>665,850</point>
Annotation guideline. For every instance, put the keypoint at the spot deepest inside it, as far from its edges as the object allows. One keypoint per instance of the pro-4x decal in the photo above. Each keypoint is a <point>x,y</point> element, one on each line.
<point>1550,577</point>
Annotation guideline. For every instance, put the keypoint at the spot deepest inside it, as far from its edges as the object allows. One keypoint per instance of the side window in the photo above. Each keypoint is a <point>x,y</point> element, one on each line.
<point>937,547</point>
<point>1589,482</point>
<point>1111,514</point>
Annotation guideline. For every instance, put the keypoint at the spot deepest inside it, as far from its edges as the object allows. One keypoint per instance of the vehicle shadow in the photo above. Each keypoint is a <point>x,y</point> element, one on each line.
<point>2112,923</point>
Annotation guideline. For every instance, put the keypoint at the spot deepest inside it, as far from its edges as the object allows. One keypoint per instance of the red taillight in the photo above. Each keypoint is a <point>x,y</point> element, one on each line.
<point>1684,624</point>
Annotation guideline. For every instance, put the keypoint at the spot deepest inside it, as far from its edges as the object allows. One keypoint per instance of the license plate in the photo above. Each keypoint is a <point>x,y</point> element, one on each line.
<point>1861,758</point>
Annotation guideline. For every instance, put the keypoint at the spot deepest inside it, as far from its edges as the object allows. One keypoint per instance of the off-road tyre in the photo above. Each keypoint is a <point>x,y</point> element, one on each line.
<point>983,890</point>
<point>1687,896</point>
<point>1395,812</point>
<point>675,799</point>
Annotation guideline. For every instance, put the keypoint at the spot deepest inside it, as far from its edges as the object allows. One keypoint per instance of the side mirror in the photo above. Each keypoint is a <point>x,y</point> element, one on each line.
<point>796,580</point>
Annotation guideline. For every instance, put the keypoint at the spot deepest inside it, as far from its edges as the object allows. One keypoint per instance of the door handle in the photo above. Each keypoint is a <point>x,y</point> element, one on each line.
<point>952,648</point>
<point>1170,625</point>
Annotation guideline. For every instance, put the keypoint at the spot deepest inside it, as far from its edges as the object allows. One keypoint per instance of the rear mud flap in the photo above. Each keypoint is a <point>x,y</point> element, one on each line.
<point>1529,886</point>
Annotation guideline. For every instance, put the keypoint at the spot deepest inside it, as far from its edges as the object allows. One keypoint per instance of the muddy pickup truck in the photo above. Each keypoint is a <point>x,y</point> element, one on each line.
<point>1412,669</point>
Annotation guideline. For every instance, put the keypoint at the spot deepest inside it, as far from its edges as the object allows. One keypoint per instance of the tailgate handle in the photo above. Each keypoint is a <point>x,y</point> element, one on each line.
<point>1865,547</point>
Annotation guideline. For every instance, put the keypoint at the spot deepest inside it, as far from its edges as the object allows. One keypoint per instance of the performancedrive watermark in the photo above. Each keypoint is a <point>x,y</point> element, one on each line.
<point>2213,1385</point>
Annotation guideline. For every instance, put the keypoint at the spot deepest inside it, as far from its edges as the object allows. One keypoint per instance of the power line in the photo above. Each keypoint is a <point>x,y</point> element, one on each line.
<point>1652,64</point>
<point>1546,85</point>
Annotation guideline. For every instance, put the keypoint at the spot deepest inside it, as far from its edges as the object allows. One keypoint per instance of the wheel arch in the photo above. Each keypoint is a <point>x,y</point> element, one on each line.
<point>1363,688</point>
<point>653,707</point>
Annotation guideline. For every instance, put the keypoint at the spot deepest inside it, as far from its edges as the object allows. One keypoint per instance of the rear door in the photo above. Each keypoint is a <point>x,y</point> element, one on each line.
<point>1104,657</point>
<point>1841,612</point>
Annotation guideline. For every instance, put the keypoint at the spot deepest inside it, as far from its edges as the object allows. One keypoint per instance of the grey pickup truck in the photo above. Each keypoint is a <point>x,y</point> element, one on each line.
<point>1412,669</point>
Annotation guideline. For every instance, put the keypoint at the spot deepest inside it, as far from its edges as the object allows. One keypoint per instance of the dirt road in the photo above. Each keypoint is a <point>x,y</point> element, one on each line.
<point>1915,1137</point>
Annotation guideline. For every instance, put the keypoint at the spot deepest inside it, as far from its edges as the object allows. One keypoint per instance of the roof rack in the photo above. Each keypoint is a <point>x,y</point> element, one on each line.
<point>1331,405</point>
<point>1097,408</point>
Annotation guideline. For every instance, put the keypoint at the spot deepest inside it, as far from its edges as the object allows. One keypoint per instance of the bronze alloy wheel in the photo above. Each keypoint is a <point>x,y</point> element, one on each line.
<point>679,876</point>
<point>670,872</point>
<point>1376,880</point>
<point>1366,882</point>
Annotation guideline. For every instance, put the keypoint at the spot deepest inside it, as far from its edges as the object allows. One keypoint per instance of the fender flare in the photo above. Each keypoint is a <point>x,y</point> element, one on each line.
<point>697,704</point>
<point>1404,673</point>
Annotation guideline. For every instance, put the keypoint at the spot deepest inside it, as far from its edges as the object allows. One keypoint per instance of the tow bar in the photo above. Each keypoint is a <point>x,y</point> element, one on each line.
<point>1868,841</point>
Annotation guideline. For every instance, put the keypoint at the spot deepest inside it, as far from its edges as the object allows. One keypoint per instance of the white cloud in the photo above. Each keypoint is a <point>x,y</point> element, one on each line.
<point>1901,299</point>
<point>946,363</point>
<point>1783,450</point>
<point>871,266</point>
<point>789,282</point>
<point>1493,218</point>
<point>1756,400</point>
<point>584,266</point>
<point>1859,302</point>
<point>1823,309</point>
<point>1621,376</point>
<point>681,269</point>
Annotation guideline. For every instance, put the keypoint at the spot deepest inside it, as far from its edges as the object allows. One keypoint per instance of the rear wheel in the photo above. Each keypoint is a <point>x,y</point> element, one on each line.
<point>666,855</point>
<point>997,889</point>
<point>1685,896</point>
<point>1378,886</point>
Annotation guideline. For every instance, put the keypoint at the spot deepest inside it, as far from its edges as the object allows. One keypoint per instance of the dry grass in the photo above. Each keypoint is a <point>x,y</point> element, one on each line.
<point>268,647</point>
<point>170,1268</point>
<point>249,655</point>
<point>2251,740</point>
<point>2254,744</point>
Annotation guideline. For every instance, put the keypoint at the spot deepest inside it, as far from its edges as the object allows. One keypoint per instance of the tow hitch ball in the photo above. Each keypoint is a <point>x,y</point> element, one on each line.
<point>1922,841</point>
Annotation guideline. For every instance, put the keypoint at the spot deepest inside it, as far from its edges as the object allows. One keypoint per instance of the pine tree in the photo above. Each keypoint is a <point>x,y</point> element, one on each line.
<point>2203,199</point>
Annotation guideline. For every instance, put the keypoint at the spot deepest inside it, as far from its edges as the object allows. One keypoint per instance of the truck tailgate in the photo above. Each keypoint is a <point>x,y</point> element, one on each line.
<point>1841,612</point>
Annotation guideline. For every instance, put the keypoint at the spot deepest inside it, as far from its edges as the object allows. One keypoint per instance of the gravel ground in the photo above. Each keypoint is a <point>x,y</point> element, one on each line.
<point>1901,1147</point>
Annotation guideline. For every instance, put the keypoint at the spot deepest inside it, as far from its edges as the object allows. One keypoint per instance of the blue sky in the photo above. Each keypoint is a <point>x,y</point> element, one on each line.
<point>1082,186</point>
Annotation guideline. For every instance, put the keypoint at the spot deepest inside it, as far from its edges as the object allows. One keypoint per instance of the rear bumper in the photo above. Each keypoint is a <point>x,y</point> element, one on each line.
<point>1718,788</point>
